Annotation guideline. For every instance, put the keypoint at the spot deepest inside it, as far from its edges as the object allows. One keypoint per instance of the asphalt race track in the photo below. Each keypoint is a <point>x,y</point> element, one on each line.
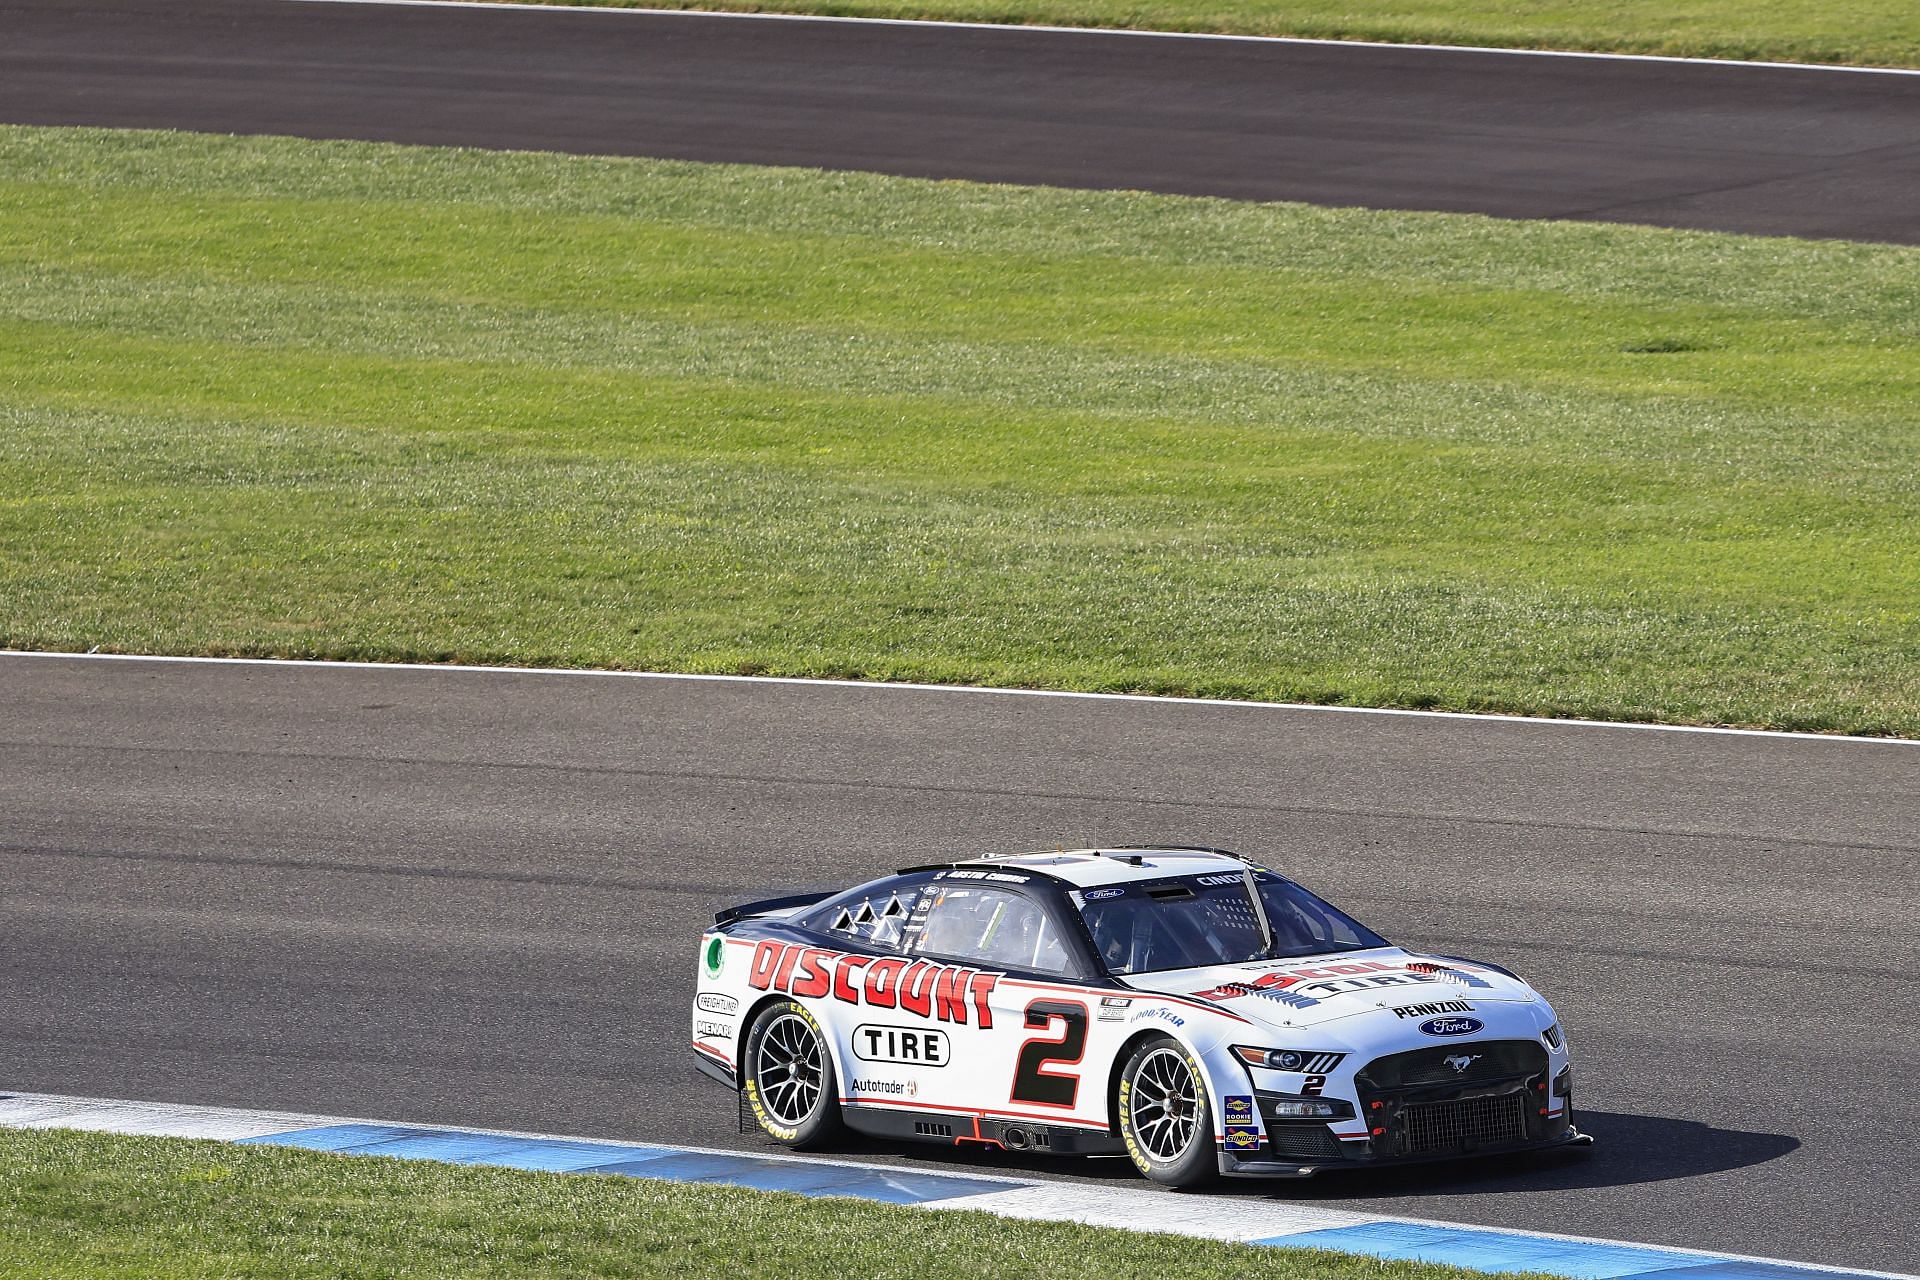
<point>1800,152</point>
<point>464,897</point>
<point>471,898</point>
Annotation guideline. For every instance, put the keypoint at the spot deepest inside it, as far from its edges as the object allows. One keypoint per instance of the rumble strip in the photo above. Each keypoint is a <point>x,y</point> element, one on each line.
<point>1250,1219</point>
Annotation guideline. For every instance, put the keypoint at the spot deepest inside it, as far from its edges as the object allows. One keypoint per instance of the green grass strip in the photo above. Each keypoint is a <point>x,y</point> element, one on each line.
<point>263,396</point>
<point>1874,33</point>
<point>102,1207</point>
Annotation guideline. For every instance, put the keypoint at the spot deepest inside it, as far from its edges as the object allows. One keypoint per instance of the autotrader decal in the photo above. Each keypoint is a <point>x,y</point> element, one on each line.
<point>943,992</point>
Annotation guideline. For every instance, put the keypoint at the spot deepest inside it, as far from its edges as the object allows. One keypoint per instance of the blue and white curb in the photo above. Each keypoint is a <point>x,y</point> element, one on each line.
<point>1247,1221</point>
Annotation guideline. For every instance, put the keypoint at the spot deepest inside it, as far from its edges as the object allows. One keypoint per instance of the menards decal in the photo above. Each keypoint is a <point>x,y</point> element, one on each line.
<point>941,991</point>
<point>1299,986</point>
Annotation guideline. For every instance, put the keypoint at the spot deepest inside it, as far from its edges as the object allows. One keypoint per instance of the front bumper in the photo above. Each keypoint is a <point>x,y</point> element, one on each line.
<point>1267,1164</point>
<point>1426,1105</point>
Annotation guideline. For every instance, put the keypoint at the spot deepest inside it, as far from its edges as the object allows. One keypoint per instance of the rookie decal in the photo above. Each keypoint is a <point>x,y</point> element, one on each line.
<point>943,992</point>
<point>1451,1026</point>
<point>1428,1010</point>
<point>923,1048</point>
<point>1239,1109</point>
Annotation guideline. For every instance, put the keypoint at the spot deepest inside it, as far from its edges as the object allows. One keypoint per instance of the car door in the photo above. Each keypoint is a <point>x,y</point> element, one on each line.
<point>1024,1055</point>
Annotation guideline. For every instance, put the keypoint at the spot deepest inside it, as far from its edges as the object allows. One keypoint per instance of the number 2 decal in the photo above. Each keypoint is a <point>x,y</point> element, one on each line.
<point>1032,1082</point>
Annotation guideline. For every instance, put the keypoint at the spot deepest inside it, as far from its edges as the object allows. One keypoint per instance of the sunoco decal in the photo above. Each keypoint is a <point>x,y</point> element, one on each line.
<point>943,992</point>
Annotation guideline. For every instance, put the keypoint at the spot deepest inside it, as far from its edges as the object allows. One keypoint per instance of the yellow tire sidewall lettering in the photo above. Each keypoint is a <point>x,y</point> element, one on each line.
<point>784,1133</point>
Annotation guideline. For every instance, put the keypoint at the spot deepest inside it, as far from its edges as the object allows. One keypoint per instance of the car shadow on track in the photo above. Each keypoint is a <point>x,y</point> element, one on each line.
<point>1627,1149</point>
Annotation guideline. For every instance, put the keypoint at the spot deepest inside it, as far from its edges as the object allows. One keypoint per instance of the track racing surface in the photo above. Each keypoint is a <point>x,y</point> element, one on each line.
<point>472,898</point>
<point>1815,152</point>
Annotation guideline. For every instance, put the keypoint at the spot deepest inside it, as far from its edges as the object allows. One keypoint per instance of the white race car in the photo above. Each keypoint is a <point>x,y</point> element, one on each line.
<point>1196,1011</point>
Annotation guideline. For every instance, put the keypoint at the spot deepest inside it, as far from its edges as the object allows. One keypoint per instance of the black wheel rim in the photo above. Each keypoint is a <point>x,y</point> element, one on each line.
<point>1164,1112</point>
<point>788,1068</point>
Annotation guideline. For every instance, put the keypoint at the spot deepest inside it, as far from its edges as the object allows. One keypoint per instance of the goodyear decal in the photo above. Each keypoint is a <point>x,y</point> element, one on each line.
<point>943,992</point>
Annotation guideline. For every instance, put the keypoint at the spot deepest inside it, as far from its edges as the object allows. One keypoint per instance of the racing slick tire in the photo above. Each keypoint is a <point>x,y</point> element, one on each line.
<point>787,1076</point>
<point>1166,1117</point>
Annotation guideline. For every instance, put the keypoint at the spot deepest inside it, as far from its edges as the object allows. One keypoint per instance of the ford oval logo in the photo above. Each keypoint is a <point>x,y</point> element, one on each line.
<point>1451,1026</point>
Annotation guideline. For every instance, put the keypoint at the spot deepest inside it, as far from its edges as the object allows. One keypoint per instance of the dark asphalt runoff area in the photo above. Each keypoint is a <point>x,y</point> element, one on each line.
<point>473,898</point>
<point>1773,151</point>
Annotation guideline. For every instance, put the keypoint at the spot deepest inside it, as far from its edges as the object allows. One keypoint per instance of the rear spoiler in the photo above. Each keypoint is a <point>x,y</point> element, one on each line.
<point>768,905</point>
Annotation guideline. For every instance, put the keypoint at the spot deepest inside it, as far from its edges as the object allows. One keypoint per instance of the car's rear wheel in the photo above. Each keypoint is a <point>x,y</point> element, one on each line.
<point>787,1075</point>
<point>1166,1118</point>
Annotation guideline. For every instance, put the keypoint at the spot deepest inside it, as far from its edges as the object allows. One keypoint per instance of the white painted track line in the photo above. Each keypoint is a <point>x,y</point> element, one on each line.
<point>1137,32</point>
<point>978,690</point>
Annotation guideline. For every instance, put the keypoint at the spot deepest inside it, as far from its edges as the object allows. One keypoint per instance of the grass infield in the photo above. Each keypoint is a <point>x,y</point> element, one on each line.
<point>272,397</point>
<point>100,1206</point>
<point>1875,33</point>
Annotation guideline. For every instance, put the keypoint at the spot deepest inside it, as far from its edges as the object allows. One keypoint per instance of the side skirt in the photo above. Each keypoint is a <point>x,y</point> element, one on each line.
<point>952,1128</point>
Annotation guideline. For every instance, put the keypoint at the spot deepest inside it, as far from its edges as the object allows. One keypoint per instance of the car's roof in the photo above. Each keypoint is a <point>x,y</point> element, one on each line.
<point>1092,868</point>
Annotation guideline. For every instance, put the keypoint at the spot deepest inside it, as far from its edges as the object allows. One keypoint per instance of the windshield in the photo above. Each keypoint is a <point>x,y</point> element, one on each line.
<point>1206,920</point>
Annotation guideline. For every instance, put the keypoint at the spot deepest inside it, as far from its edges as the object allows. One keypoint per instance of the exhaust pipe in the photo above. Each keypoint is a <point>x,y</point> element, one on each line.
<point>1016,1138</point>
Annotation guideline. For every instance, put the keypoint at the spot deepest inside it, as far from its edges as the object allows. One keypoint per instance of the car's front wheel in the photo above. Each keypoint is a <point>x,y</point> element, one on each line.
<point>787,1075</point>
<point>1166,1118</point>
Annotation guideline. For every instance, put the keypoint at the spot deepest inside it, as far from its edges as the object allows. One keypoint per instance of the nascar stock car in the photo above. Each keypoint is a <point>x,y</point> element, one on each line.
<point>1188,1007</point>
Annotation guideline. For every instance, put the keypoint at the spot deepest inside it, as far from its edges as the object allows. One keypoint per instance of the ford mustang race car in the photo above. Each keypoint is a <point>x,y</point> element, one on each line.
<point>1199,1012</point>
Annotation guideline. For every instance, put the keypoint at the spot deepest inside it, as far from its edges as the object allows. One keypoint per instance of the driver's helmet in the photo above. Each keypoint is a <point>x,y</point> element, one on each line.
<point>1123,930</point>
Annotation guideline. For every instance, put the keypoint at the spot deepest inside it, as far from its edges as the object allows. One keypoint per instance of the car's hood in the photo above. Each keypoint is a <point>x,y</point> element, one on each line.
<point>1310,991</point>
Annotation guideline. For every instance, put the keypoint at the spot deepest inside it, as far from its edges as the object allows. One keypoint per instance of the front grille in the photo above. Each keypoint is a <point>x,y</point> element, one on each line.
<point>1437,1127</point>
<point>1454,1063</point>
<point>1304,1142</point>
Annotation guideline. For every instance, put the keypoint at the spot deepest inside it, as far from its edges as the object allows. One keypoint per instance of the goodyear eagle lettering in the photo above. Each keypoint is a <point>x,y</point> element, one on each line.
<point>944,992</point>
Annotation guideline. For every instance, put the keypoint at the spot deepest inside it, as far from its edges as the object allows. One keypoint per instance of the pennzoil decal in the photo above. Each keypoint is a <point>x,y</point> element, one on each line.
<point>943,992</point>
<point>1431,1008</point>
